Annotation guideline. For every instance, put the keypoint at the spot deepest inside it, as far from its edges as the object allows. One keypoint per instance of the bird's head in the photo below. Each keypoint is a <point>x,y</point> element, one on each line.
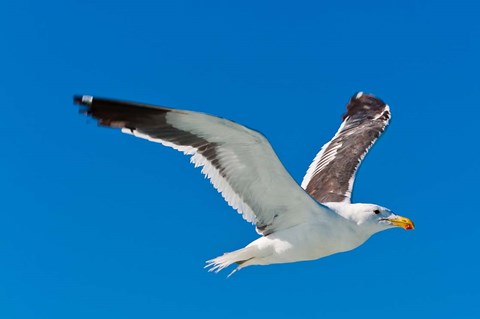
<point>377,217</point>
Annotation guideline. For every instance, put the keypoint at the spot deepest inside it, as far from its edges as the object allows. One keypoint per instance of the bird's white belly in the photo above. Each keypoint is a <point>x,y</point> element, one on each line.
<point>304,242</point>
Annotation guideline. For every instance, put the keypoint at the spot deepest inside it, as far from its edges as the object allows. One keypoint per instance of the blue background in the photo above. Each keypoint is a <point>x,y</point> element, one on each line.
<point>96,224</point>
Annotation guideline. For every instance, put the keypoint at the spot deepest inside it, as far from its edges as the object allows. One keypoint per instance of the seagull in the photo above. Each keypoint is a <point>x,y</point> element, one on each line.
<point>296,222</point>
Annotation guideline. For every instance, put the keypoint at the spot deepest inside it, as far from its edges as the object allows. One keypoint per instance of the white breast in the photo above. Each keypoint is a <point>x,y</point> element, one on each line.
<point>306,242</point>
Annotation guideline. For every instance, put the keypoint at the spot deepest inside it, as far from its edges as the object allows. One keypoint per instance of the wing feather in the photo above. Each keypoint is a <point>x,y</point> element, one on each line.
<point>239,162</point>
<point>331,175</point>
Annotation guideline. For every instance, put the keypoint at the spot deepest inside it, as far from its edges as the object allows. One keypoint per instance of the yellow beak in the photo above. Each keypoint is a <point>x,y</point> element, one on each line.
<point>403,222</point>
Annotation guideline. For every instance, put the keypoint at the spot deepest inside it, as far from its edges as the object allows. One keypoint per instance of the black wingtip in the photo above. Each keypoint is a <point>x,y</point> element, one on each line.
<point>358,95</point>
<point>83,99</point>
<point>362,102</point>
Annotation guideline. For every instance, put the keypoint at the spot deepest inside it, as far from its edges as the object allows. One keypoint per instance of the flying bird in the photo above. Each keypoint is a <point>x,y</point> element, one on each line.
<point>296,222</point>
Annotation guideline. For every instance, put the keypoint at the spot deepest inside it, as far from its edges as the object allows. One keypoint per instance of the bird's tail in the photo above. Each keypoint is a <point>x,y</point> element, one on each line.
<point>242,257</point>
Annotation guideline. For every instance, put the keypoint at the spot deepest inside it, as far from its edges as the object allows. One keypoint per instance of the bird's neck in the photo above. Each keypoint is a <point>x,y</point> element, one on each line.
<point>346,210</point>
<point>351,213</point>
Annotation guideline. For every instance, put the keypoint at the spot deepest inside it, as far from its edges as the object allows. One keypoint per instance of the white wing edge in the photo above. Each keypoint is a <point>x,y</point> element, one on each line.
<point>217,180</point>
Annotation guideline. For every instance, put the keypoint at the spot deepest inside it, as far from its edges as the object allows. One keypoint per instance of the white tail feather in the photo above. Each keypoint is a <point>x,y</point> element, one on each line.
<point>240,256</point>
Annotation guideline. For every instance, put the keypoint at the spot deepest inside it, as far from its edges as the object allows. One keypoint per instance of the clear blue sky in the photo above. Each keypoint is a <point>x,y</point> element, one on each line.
<point>96,224</point>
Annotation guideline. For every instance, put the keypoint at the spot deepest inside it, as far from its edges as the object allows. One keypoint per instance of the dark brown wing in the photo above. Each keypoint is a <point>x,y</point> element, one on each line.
<point>331,175</point>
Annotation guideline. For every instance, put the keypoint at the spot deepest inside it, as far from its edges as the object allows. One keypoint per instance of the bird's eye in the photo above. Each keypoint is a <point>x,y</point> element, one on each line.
<point>376,211</point>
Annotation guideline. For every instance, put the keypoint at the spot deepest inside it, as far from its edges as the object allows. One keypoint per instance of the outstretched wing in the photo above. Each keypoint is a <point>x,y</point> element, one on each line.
<point>331,175</point>
<point>239,162</point>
